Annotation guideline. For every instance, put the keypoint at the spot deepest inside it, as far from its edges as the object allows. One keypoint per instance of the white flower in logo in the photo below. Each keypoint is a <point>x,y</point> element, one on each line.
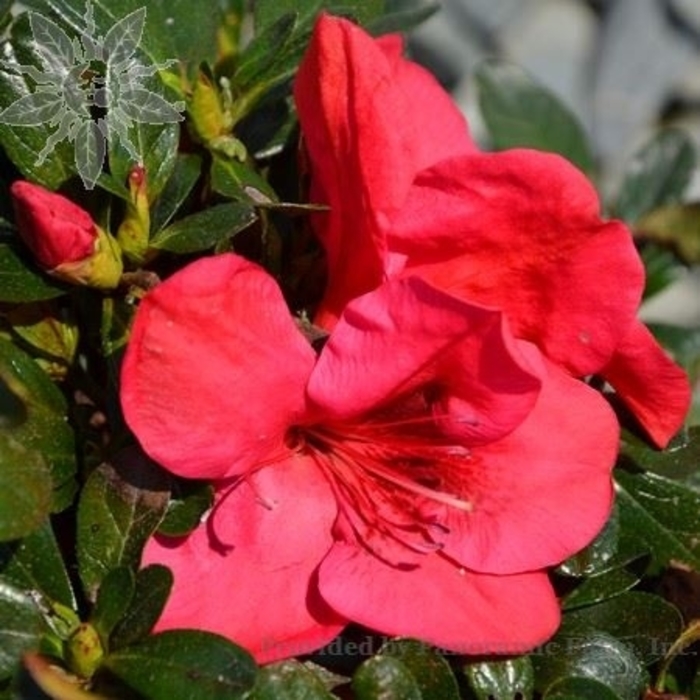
<point>91,90</point>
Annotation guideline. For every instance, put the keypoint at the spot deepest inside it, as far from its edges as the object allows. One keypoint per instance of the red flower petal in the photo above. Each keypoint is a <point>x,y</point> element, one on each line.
<point>650,383</point>
<point>349,91</point>
<point>406,336</point>
<point>215,369</point>
<point>543,492</point>
<point>451,608</point>
<point>248,573</point>
<point>521,231</point>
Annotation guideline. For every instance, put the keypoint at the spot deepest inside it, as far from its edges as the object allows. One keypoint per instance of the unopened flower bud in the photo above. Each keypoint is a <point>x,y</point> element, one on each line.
<point>64,239</point>
<point>84,651</point>
<point>134,231</point>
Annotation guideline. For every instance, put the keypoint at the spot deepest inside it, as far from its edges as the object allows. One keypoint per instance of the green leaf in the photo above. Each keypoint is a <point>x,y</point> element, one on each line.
<point>362,11</point>
<point>675,225</point>
<point>153,585</point>
<point>431,672</point>
<point>402,20</point>
<point>25,489</point>
<point>186,171</point>
<point>231,178</point>
<point>647,623</point>
<point>185,664</point>
<point>34,415</point>
<point>24,145</point>
<point>595,655</point>
<point>35,563</point>
<point>288,680</point>
<point>205,229</point>
<point>120,507</point>
<point>267,12</point>
<point>680,461</point>
<point>662,514</point>
<point>189,501</point>
<point>597,557</point>
<point>113,600</point>
<point>657,175</point>
<point>21,627</point>
<point>21,281</point>
<point>385,678</point>
<point>501,680</point>
<point>599,588</point>
<point>574,688</point>
<point>169,31</point>
<point>264,60</point>
<point>519,112</point>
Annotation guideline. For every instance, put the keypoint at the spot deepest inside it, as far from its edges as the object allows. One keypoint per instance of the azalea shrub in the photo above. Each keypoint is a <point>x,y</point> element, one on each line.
<point>307,393</point>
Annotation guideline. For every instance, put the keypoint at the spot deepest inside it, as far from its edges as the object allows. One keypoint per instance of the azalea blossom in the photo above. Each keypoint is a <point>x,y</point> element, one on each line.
<point>417,476</point>
<point>63,238</point>
<point>410,194</point>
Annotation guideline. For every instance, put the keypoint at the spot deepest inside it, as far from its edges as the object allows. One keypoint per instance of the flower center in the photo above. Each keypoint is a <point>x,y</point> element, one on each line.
<point>397,481</point>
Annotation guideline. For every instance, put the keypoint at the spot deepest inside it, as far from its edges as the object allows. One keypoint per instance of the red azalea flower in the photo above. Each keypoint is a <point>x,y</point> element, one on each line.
<point>55,229</point>
<point>417,477</point>
<point>518,230</point>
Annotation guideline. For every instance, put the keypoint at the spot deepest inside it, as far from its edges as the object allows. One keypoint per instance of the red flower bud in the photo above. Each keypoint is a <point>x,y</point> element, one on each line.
<point>56,230</point>
<point>64,239</point>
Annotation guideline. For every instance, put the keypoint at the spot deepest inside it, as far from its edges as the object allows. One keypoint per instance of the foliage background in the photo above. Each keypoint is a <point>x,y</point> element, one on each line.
<point>75,508</point>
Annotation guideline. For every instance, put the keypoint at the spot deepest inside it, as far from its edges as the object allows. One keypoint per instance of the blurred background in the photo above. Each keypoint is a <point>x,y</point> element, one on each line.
<point>624,67</point>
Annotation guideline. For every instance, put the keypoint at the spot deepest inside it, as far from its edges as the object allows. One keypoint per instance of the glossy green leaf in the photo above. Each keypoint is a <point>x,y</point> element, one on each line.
<point>595,655</point>
<point>662,514</point>
<point>113,600</point>
<point>205,229</point>
<point>169,31</point>
<point>431,672</point>
<point>266,58</point>
<point>24,144</point>
<point>20,279</point>
<point>21,627</point>
<point>385,678</point>
<point>231,178</point>
<point>33,412</point>
<point>120,506</point>
<point>185,664</point>
<point>186,171</point>
<point>501,680</point>
<point>35,563</point>
<point>151,591</point>
<point>288,680</point>
<point>674,225</point>
<point>519,112</point>
<point>599,588</point>
<point>680,461</point>
<point>597,557</point>
<point>647,623</point>
<point>25,489</point>
<point>576,688</point>
<point>269,11</point>
<point>362,11</point>
<point>658,174</point>
<point>188,502</point>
